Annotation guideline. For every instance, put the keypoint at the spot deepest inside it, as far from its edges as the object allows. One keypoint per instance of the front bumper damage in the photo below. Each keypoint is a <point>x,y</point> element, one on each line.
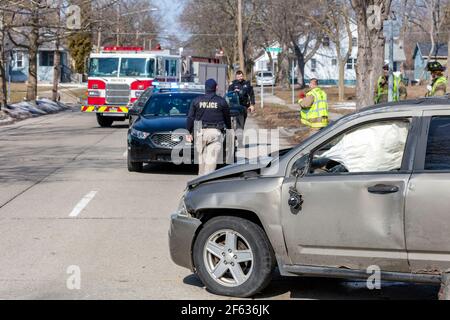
<point>182,232</point>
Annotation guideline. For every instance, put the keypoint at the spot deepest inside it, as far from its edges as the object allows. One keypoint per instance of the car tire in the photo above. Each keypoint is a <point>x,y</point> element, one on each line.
<point>250,240</point>
<point>134,166</point>
<point>104,122</point>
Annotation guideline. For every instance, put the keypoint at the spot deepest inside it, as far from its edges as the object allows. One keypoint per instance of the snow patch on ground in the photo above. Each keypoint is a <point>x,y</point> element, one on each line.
<point>344,105</point>
<point>26,109</point>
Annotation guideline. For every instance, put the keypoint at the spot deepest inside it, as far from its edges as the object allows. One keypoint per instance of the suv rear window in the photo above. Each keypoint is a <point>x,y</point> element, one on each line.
<point>438,147</point>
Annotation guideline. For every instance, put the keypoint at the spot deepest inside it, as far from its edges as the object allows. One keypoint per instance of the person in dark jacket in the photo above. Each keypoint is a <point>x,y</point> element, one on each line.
<point>208,118</point>
<point>245,91</point>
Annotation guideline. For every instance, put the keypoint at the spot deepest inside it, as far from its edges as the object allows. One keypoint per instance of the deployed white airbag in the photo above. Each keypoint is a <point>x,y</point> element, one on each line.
<point>372,148</point>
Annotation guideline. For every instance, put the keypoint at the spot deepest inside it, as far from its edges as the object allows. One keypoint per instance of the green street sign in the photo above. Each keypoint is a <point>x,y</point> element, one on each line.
<point>275,50</point>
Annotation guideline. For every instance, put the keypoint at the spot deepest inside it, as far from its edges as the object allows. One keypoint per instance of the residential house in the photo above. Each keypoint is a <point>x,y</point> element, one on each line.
<point>324,64</point>
<point>18,62</point>
<point>421,54</point>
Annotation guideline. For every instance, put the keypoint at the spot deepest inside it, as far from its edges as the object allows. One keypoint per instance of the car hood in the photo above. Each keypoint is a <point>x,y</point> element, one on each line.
<point>160,124</point>
<point>232,170</point>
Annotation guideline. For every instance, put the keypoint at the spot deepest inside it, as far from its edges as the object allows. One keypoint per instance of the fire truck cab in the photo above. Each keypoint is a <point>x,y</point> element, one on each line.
<point>119,75</point>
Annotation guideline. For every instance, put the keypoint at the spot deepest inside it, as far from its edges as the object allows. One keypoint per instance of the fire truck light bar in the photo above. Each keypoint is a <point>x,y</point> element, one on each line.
<point>123,49</point>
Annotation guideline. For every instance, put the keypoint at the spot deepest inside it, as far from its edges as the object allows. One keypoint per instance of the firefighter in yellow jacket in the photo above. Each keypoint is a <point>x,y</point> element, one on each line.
<point>382,89</point>
<point>314,108</point>
<point>439,81</point>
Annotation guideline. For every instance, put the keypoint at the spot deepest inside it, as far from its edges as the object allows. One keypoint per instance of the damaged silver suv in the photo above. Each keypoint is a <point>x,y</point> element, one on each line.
<point>372,189</point>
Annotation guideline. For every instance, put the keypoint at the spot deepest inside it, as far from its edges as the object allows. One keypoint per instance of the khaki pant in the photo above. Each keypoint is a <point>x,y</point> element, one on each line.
<point>208,146</point>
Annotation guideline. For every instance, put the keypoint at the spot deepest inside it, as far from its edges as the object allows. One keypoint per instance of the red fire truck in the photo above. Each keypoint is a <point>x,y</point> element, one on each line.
<point>119,75</point>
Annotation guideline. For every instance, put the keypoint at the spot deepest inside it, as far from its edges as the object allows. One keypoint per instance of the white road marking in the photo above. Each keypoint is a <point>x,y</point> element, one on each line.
<point>82,204</point>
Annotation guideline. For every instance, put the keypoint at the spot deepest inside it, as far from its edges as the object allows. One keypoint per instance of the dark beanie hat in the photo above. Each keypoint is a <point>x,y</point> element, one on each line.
<point>210,85</point>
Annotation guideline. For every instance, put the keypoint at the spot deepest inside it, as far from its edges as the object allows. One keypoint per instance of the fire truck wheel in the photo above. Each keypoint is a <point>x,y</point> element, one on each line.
<point>103,121</point>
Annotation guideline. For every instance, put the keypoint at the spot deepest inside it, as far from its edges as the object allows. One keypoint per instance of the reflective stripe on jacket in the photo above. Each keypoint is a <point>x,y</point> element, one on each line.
<point>317,115</point>
<point>384,90</point>
<point>441,81</point>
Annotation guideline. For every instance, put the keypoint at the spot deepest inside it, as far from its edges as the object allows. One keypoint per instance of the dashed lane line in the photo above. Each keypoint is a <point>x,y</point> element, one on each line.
<point>82,204</point>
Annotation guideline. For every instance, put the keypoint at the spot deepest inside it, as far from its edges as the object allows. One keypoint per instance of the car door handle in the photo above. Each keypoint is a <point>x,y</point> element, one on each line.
<point>383,189</point>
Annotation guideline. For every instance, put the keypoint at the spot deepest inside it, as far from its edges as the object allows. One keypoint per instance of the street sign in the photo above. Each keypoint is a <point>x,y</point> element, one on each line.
<point>274,50</point>
<point>395,25</point>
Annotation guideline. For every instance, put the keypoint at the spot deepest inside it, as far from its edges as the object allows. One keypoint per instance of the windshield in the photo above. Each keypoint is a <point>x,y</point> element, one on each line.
<point>169,105</point>
<point>137,67</point>
<point>266,75</point>
<point>103,67</point>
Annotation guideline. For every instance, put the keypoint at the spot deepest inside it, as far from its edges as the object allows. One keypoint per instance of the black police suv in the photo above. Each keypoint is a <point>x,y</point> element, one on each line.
<point>154,120</point>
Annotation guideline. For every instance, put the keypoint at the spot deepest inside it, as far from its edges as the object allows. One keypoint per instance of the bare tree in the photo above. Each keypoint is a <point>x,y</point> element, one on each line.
<point>298,37</point>
<point>336,24</point>
<point>3,28</point>
<point>429,17</point>
<point>370,15</point>
<point>214,26</point>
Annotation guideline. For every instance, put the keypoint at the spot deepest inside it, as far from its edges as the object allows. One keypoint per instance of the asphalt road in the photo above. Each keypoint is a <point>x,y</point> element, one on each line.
<point>50,166</point>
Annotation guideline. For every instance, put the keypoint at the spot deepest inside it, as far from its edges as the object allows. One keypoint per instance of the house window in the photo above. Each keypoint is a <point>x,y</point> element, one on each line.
<point>19,59</point>
<point>326,42</point>
<point>334,62</point>
<point>46,58</point>
<point>313,65</point>
<point>354,42</point>
<point>349,64</point>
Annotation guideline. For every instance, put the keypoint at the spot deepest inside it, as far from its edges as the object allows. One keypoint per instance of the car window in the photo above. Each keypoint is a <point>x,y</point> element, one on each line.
<point>438,146</point>
<point>142,100</point>
<point>169,105</point>
<point>370,148</point>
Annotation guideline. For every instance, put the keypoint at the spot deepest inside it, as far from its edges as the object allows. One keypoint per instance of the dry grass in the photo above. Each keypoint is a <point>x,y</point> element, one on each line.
<point>276,116</point>
<point>350,93</point>
<point>332,92</point>
<point>19,91</point>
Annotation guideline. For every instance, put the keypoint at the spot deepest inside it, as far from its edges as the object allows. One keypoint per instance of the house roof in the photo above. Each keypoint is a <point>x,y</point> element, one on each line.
<point>45,46</point>
<point>440,50</point>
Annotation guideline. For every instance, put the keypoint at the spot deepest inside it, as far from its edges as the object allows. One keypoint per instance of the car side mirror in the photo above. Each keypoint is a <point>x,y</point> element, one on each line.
<point>301,167</point>
<point>133,111</point>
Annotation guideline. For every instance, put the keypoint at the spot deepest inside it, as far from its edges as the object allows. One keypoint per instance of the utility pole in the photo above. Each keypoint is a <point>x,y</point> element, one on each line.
<point>118,25</point>
<point>293,81</point>
<point>57,58</point>
<point>3,65</point>
<point>99,39</point>
<point>240,38</point>
<point>391,61</point>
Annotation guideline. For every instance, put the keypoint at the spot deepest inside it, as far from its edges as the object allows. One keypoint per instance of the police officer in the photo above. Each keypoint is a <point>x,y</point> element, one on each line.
<point>245,91</point>
<point>439,81</point>
<point>208,118</point>
<point>382,89</point>
<point>314,108</point>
